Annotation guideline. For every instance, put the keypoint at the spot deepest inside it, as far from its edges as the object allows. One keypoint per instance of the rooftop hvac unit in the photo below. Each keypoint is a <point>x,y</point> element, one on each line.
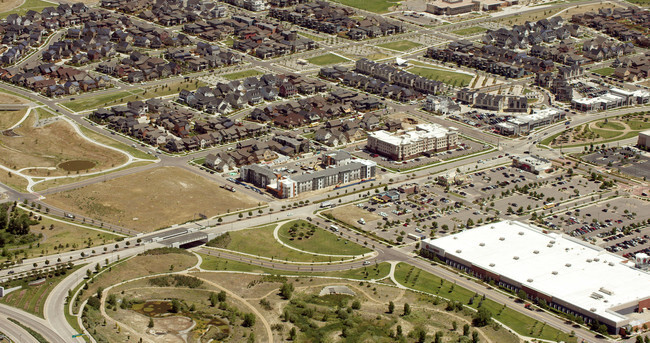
<point>611,264</point>
<point>552,242</point>
<point>549,245</point>
<point>554,272</point>
<point>482,244</point>
<point>596,259</point>
<point>593,309</point>
<point>492,264</point>
<point>502,238</point>
<point>536,252</point>
<point>516,257</point>
<point>521,233</point>
<point>589,260</point>
<point>492,227</point>
<point>568,265</point>
<point>530,280</point>
<point>455,237</point>
<point>606,291</point>
<point>458,251</point>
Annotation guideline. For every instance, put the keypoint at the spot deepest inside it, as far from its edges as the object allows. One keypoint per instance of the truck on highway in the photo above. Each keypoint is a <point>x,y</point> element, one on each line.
<point>334,228</point>
<point>326,204</point>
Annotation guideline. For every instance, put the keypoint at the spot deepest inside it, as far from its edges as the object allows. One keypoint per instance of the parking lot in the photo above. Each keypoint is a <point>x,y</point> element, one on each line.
<point>628,159</point>
<point>618,225</point>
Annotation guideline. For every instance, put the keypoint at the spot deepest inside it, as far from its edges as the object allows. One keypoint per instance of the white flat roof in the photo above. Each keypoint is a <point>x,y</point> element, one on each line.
<point>553,264</point>
<point>422,131</point>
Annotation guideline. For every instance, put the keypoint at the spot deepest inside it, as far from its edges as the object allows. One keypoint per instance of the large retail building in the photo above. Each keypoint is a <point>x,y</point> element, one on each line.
<point>572,276</point>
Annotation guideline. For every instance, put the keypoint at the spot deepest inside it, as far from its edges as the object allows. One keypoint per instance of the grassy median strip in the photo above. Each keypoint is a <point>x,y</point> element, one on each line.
<point>31,331</point>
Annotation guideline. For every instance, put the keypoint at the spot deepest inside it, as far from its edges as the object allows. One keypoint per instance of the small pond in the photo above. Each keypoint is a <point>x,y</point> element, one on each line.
<point>76,165</point>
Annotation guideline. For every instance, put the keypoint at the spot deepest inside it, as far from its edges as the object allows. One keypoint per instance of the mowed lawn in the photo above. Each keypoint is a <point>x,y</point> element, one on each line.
<point>49,145</point>
<point>607,71</point>
<point>376,6</point>
<point>372,271</point>
<point>400,45</point>
<point>420,280</point>
<point>449,77</point>
<point>469,31</point>
<point>242,74</point>
<point>151,199</point>
<point>327,59</point>
<point>260,242</point>
<point>321,241</point>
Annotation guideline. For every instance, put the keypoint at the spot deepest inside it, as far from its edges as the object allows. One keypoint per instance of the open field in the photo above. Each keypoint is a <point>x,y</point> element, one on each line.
<point>116,97</point>
<point>107,99</point>
<point>116,144</point>
<point>376,6</point>
<point>366,273</point>
<point>313,37</point>
<point>349,214</point>
<point>371,53</point>
<point>400,45</point>
<point>420,280</point>
<point>327,59</point>
<point>152,199</point>
<point>319,241</point>
<point>59,237</point>
<point>607,71</point>
<point>469,31</point>
<point>41,186</point>
<point>32,298</point>
<point>43,113</point>
<point>242,74</point>
<point>10,118</point>
<point>251,241</point>
<point>153,262</point>
<point>36,5</point>
<point>6,98</point>
<point>14,181</point>
<point>446,76</point>
<point>48,146</point>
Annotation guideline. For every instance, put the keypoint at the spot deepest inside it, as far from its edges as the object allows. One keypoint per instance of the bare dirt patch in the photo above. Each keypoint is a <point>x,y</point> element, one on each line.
<point>149,200</point>
<point>350,214</point>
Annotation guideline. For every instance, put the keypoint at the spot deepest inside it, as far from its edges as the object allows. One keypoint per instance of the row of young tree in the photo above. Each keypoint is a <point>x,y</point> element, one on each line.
<point>14,226</point>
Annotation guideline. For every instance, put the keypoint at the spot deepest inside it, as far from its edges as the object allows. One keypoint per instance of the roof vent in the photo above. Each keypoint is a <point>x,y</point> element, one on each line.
<point>492,264</point>
<point>492,227</point>
<point>611,264</point>
<point>593,309</point>
<point>455,237</point>
<point>521,233</point>
<point>458,251</point>
<point>568,265</point>
<point>516,257</point>
<point>549,245</point>
<point>589,260</point>
<point>530,280</point>
<point>482,244</point>
<point>554,272</point>
<point>596,259</point>
<point>502,238</point>
<point>536,252</point>
<point>606,291</point>
<point>553,242</point>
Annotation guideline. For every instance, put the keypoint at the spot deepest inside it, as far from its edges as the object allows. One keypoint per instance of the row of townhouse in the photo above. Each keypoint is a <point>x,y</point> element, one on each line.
<point>168,12</point>
<point>138,67</point>
<point>225,97</point>
<point>340,132</point>
<point>564,53</point>
<point>53,80</point>
<point>325,17</point>
<point>315,109</point>
<point>531,33</point>
<point>628,24</point>
<point>493,102</point>
<point>204,56</point>
<point>600,48</point>
<point>633,68</point>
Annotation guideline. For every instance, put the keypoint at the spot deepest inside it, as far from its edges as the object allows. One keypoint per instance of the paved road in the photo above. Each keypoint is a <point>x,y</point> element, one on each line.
<point>40,325</point>
<point>15,332</point>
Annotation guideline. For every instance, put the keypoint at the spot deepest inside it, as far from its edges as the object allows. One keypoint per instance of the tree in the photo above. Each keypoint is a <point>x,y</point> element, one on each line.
<point>150,323</point>
<point>438,337</point>
<point>356,305</point>
<point>221,296</point>
<point>407,309</point>
<point>391,307</point>
<point>286,290</point>
<point>214,299</point>
<point>521,294</point>
<point>292,334</point>
<point>100,290</point>
<point>422,335</point>
<point>475,337</point>
<point>249,320</point>
<point>465,329</point>
<point>482,317</point>
<point>454,325</point>
<point>176,306</point>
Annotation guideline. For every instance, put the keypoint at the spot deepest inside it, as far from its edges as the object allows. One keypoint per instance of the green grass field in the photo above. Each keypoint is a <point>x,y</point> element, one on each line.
<point>376,6</point>
<point>469,31</point>
<point>418,279</point>
<point>638,125</point>
<point>36,5</point>
<point>400,45</point>
<point>607,71</point>
<point>327,59</point>
<point>250,242</point>
<point>366,273</point>
<point>311,36</point>
<point>610,125</point>
<point>321,241</point>
<point>108,99</point>
<point>449,77</point>
<point>242,74</point>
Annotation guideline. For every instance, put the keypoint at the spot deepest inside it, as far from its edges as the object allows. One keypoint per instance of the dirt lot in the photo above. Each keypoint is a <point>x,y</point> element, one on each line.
<point>152,199</point>
<point>4,97</point>
<point>50,145</point>
<point>350,214</point>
